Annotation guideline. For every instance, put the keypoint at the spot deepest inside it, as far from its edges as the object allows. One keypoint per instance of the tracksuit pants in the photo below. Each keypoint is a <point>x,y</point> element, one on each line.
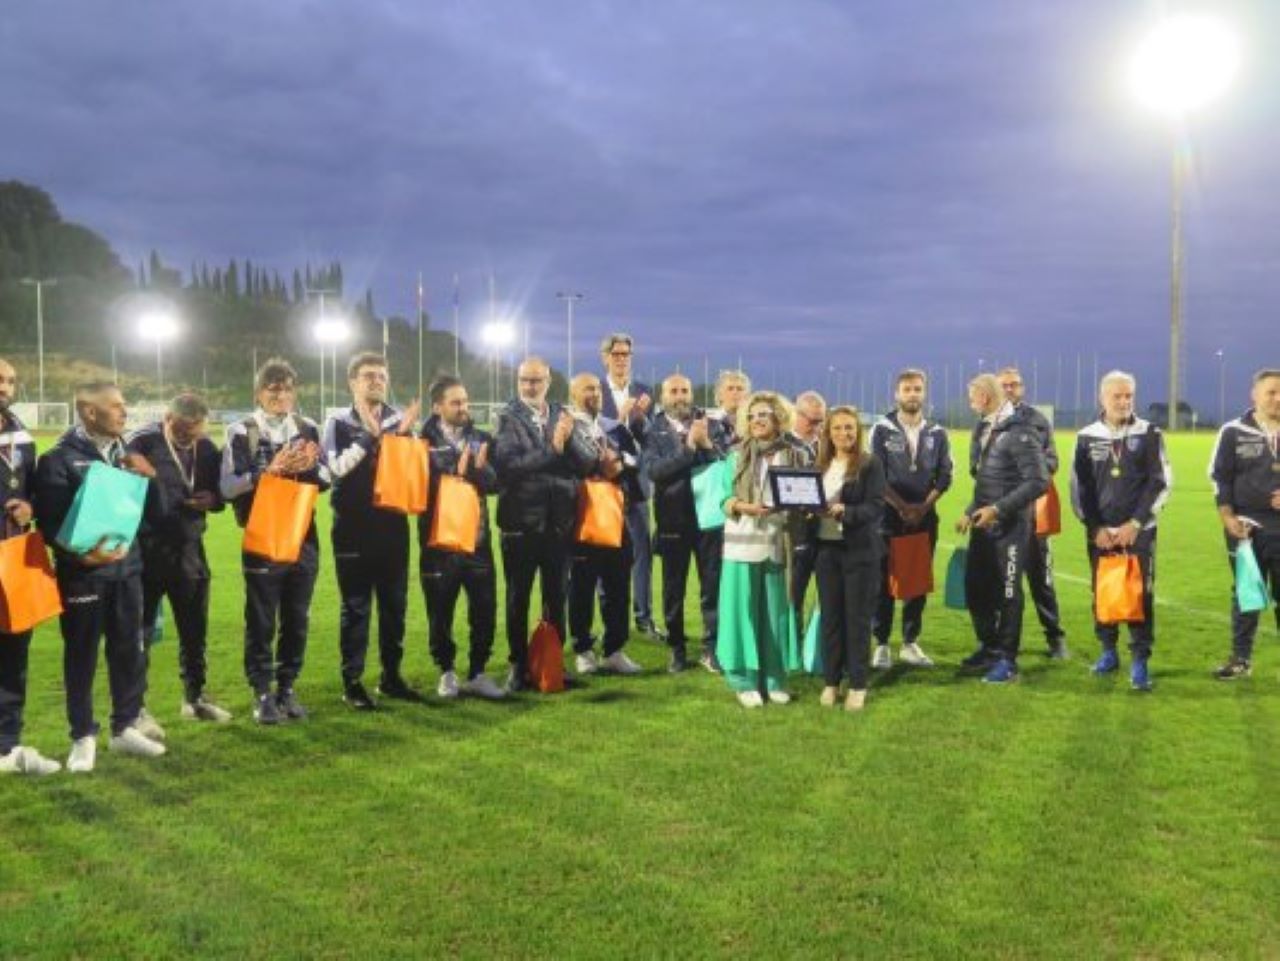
<point>1141,633</point>
<point>383,575</point>
<point>1039,568</point>
<point>993,584</point>
<point>591,566</point>
<point>525,556</point>
<point>677,551</point>
<point>180,573</point>
<point>277,590</point>
<point>848,588</point>
<point>14,649</point>
<point>1244,627</point>
<point>94,609</point>
<point>445,575</point>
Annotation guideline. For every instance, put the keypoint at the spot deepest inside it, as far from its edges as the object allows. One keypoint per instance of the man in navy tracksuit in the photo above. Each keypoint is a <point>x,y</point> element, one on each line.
<point>17,476</point>
<point>1245,469</point>
<point>370,544</point>
<point>461,449</point>
<point>273,439</point>
<point>916,455</point>
<point>1009,474</point>
<point>1120,479</point>
<point>102,589</point>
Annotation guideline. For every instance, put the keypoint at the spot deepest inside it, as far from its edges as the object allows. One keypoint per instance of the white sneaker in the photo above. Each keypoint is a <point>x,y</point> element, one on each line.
<point>84,751</point>
<point>148,726</point>
<point>202,710</point>
<point>882,660</point>
<point>855,700</point>
<point>828,696</point>
<point>779,697</point>
<point>586,663</point>
<point>27,760</point>
<point>750,699</point>
<point>133,742</point>
<point>448,686</point>
<point>619,663</point>
<point>912,654</point>
<point>482,686</point>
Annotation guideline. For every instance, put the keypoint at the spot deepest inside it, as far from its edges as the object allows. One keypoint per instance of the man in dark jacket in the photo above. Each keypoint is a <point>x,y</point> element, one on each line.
<point>1009,475</point>
<point>916,454</point>
<point>1039,565</point>
<point>102,589</point>
<point>461,449</point>
<point>370,544</point>
<point>810,411</point>
<point>538,472</point>
<point>17,477</point>
<point>1120,479</point>
<point>275,440</point>
<point>188,467</point>
<point>685,440</point>
<point>1245,467</point>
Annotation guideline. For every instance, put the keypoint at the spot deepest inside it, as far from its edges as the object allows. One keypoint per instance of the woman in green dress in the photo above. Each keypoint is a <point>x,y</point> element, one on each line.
<point>756,636</point>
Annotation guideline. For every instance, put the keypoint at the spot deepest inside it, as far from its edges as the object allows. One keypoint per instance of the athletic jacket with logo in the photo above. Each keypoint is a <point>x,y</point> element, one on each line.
<point>1102,498</point>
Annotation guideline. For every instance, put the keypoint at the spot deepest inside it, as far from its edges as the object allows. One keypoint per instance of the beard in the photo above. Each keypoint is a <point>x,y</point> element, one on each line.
<point>911,406</point>
<point>680,410</point>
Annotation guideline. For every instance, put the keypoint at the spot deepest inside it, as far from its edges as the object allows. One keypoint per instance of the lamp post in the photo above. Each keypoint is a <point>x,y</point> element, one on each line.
<point>1222,387</point>
<point>159,328</point>
<point>497,335</point>
<point>1186,62</point>
<point>330,331</point>
<point>570,297</point>
<point>39,284</point>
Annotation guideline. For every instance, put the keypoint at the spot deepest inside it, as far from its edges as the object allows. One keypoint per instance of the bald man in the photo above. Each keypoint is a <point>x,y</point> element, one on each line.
<point>538,471</point>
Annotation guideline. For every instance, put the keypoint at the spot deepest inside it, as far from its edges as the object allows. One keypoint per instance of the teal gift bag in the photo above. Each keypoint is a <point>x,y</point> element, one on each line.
<point>1251,586</point>
<point>108,504</point>
<point>811,651</point>
<point>708,495</point>
<point>955,594</point>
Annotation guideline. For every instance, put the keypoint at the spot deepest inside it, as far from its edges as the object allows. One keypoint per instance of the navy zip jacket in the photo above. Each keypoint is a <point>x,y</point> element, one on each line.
<point>178,524</point>
<point>360,529</point>
<point>1245,471</point>
<point>1102,499</point>
<point>1010,471</point>
<point>242,466</point>
<point>932,463</point>
<point>444,460</point>
<point>670,463</point>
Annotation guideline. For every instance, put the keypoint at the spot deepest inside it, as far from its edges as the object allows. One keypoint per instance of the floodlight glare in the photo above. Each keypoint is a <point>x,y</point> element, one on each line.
<point>331,331</point>
<point>1184,63</point>
<point>498,334</point>
<point>158,327</point>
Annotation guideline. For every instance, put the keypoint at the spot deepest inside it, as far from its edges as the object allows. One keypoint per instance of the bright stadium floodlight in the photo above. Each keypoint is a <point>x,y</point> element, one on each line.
<point>330,331</point>
<point>159,328</point>
<point>1185,63</point>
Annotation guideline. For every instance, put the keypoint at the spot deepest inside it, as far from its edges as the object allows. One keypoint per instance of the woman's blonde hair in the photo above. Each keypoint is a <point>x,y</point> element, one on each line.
<point>827,447</point>
<point>782,415</point>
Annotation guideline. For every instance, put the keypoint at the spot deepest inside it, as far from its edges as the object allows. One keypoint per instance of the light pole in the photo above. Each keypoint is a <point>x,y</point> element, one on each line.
<point>497,336</point>
<point>1183,64</point>
<point>570,297</point>
<point>321,324</point>
<point>1222,387</point>
<point>330,331</point>
<point>39,284</point>
<point>158,328</point>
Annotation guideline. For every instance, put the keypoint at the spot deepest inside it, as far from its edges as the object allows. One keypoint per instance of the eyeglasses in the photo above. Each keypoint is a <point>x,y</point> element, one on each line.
<point>619,353</point>
<point>760,415</point>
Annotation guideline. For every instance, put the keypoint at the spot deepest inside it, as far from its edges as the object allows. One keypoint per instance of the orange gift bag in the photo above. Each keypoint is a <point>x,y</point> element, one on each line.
<point>280,518</point>
<point>404,466</point>
<point>1118,590</point>
<point>455,525</point>
<point>546,659</point>
<point>28,589</point>
<point>910,566</point>
<point>600,513</point>
<point>1049,513</point>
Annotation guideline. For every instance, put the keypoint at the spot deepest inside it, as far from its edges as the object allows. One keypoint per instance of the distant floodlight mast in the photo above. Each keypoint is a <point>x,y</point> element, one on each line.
<point>159,328</point>
<point>40,283</point>
<point>1184,64</point>
<point>497,335</point>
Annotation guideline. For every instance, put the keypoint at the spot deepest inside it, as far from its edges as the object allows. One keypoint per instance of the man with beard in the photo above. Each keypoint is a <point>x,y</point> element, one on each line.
<point>461,449</point>
<point>101,589</point>
<point>17,473</point>
<point>594,566</point>
<point>916,455</point>
<point>370,544</point>
<point>188,466</point>
<point>538,471</point>
<point>684,440</point>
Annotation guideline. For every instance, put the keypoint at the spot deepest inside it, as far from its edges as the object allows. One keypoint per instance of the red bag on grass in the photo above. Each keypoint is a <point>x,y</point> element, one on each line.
<point>546,658</point>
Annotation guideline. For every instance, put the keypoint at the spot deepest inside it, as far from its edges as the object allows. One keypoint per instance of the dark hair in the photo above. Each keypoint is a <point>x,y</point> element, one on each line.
<point>276,370</point>
<point>89,391</point>
<point>189,406</point>
<point>912,373</point>
<point>366,358</point>
<point>441,386</point>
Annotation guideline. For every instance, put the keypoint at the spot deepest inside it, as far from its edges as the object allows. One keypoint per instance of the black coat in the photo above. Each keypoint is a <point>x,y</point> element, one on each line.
<point>1010,472</point>
<point>537,486</point>
<point>178,524</point>
<point>670,464</point>
<point>863,500</point>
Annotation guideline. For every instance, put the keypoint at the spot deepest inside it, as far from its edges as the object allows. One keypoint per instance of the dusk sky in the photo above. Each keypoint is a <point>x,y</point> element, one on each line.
<point>805,184</point>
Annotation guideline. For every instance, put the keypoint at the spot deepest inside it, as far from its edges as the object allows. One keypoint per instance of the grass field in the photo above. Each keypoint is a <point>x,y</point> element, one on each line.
<point>1062,817</point>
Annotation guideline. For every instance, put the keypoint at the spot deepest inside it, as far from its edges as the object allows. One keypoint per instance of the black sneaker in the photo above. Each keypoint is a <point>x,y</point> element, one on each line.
<point>1058,648</point>
<point>289,705</point>
<point>1234,668</point>
<point>980,661</point>
<point>396,688</point>
<point>265,709</point>
<point>711,662</point>
<point>357,698</point>
<point>679,662</point>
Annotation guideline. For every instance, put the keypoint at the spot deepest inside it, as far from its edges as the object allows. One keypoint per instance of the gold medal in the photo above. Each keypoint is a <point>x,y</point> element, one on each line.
<point>1115,472</point>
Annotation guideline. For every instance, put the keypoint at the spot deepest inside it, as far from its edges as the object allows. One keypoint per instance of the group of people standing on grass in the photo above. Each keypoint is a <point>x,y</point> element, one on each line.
<point>696,492</point>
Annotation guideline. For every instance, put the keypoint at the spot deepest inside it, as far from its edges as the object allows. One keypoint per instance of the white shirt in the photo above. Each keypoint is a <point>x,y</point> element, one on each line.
<point>830,529</point>
<point>620,395</point>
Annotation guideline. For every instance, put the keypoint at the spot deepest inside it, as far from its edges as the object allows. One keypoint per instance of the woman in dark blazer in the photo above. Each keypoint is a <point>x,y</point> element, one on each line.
<point>848,554</point>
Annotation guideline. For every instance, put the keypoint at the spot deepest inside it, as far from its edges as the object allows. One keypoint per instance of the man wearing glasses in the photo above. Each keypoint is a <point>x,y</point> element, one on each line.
<point>631,403</point>
<point>806,431</point>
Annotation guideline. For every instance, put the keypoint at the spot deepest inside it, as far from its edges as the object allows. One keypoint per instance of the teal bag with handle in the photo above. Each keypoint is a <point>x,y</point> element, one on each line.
<point>708,495</point>
<point>108,505</point>
<point>955,593</point>
<point>811,650</point>
<point>1251,586</point>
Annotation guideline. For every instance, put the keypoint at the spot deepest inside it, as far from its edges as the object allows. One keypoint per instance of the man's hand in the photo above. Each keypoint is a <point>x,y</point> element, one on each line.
<point>295,458</point>
<point>464,461</point>
<point>1125,535</point>
<point>985,518</point>
<point>835,511</point>
<point>368,418</point>
<point>482,458</point>
<point>137,464</point>
<point>1235,527</point>
<point>641,407</point>
<point>19,511</point>
<point>610,463</point>
<point>1104,538</point>
<point>699,434</point>
<point>410,416</point>
<point>564,428</point>
<point>1275,501</point>
<point>100,556</point>
<point>201,501</point>
<point>963,524</point>
<point>911,514</point>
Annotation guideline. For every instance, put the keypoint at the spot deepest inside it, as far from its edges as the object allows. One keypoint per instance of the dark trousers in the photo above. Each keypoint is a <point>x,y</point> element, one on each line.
<point>445,575</point>
<point>525,556</point>
<point>1141,634</point>
<point>993,584</point>
<point>1039,568</point>
<point>637,518</point>
<point>94,609</point>
<point>13,687</point>
<point>1266,547</point>
<point>182,575</point>
<point>361,579</point>
<point>606,567</point>
<point>676,551</point>
<point>803,559</point>
<point>847,590</point>
<point>913,608</point>
<point>277,589</point>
